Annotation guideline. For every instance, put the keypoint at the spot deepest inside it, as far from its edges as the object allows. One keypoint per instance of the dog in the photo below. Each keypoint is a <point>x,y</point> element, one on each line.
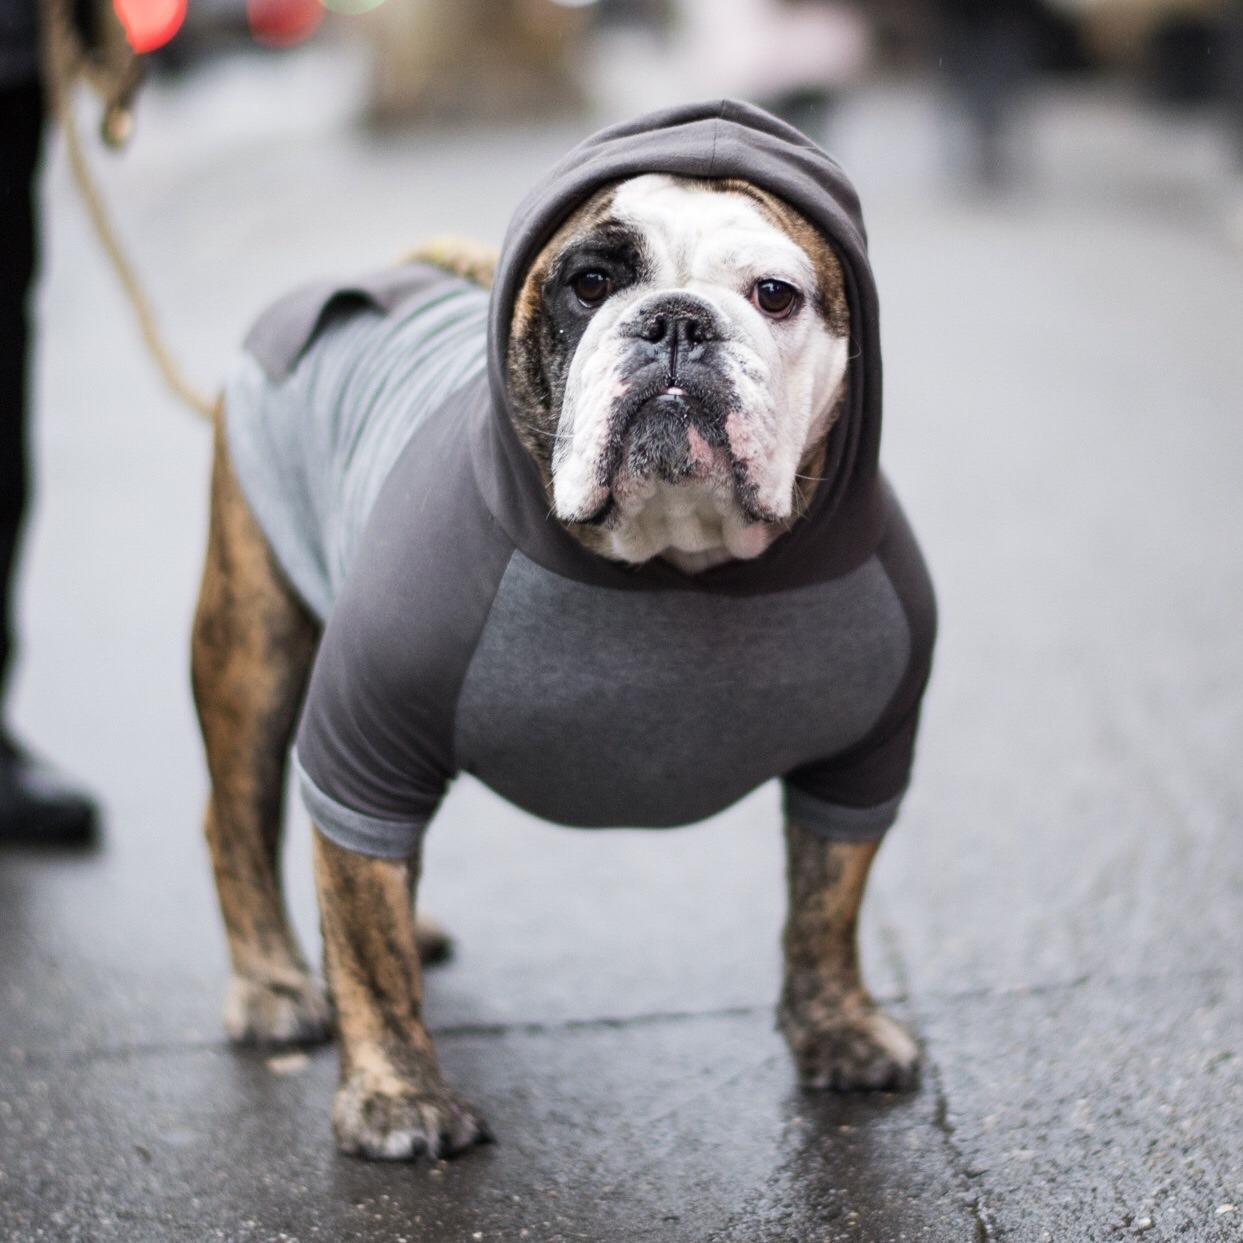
<point>614,539</point>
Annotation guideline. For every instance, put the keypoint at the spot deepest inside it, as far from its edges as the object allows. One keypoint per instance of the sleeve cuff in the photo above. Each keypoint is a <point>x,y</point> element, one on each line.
<point>351,830</point>
<point>836,823</point>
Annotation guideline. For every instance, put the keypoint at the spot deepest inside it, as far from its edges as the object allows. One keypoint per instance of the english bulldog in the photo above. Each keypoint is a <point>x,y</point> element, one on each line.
<point>614,540</point>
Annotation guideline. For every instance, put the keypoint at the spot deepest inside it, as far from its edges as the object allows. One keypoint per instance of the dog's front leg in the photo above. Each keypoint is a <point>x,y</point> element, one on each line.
<point>392,1102</point>
<point>839,1037</point>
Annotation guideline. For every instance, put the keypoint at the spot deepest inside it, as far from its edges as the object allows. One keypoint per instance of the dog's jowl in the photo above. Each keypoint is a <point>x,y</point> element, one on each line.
<point>611,536</point>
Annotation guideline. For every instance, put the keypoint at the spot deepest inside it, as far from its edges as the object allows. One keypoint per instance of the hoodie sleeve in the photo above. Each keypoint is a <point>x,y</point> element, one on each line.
<point>855,796</point>
<point>375,750</point>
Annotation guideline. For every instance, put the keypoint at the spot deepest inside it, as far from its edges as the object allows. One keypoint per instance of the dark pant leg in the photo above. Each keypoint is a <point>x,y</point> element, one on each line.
<point>21,130</point>
<point>989,51</point>
<point>1234,75</point>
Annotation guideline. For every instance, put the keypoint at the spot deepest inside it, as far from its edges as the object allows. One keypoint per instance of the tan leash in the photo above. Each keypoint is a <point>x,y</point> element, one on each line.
<point>114,73</point>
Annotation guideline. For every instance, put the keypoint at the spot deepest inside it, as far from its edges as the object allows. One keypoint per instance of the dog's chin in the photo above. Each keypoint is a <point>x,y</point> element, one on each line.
<point>658,449</point>
<point>695,523</point>
<point>682,501</point>
<point>666,442</point>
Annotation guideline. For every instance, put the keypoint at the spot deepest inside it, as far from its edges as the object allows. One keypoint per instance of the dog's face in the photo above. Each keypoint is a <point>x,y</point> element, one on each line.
<point>677,357</point>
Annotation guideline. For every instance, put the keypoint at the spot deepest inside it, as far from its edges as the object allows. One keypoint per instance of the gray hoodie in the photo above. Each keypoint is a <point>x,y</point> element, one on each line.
<point>465,630</point>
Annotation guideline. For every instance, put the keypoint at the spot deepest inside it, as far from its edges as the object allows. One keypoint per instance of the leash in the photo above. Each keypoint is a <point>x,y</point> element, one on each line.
<point>114,73</point>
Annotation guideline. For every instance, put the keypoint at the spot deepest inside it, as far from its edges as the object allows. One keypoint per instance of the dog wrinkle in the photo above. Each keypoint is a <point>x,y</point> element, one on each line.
<point>594,383</point>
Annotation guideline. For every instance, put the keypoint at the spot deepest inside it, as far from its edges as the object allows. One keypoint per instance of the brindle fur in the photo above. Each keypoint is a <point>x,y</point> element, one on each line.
<point>392,1102</point>
<point>459,256</point>
<point>253,645</point>
<point>839,1037</point>
<point>251,651</point>
<point>535,362</point>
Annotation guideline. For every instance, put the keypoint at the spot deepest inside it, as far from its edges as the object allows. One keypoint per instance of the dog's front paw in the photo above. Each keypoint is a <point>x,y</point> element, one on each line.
<point>288,1010</point>
<point>386,1119</point>
<point>851,1048</point>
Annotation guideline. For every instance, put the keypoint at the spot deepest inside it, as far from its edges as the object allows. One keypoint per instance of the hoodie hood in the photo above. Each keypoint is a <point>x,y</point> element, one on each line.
<point>720,139</point>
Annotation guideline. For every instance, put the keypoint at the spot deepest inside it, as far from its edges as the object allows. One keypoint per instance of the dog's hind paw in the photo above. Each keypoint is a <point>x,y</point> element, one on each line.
<point>391,1122</point>
<point>851,1052</point>
<point>434,944</point>
<point>293,1010</point>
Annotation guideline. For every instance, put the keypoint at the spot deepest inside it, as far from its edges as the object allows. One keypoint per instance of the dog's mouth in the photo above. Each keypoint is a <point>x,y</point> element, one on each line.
<point>671,433</point>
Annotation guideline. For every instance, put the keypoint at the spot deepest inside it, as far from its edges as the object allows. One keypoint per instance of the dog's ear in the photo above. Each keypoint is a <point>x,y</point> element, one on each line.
<point>459,256</point>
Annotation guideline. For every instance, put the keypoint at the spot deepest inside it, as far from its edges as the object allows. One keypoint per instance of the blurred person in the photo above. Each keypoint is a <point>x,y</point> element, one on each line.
<point>794,57</point>
<point>1181,67</point>
<point>1233,90</point>
<point>656,14</point>
<point>1234,77</point>
<point>36,805</point>
<point>988,56</point>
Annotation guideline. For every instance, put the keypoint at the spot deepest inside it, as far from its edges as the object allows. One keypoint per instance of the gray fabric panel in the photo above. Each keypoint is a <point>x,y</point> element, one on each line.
<point>880,765</point>
<point>596,707</point>
<point>312,450</point>
<point>377,727</point>
<point>368,835</point>
<point>286,329</point>
<point>273,472</point>
<point>840,824</point>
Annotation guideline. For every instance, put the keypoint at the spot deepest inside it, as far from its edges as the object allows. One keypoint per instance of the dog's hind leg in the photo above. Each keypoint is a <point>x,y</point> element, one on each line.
<point>839,1037</point>
<point>252,647</point>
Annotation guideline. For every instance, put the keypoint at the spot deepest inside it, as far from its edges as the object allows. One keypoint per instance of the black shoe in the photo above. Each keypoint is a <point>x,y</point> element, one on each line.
<point>38,807</point>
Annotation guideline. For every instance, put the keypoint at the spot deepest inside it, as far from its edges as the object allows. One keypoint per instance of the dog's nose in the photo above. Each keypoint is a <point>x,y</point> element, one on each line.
<point>676,327</point>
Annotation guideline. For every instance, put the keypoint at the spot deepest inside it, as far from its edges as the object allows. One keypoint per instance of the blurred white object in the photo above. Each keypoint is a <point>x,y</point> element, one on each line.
<point>766,48</point>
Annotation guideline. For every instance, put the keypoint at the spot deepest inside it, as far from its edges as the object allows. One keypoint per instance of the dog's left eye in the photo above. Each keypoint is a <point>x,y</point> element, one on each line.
<point>592,287</point>
<point>775,298</point>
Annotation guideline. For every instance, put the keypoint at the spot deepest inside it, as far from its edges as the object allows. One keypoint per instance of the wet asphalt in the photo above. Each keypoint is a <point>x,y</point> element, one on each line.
<point>1058,913</point>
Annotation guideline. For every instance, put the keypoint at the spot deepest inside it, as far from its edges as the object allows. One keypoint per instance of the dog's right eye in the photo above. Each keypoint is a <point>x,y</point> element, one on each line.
<point>591,287</point>
<point>775,298</point>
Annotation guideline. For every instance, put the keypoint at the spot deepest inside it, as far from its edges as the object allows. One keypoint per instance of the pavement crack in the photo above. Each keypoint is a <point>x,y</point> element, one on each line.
<point>973,1196</point>
<point>1055,988</point>
<point>119,1053</point>
<point>548,1027</point>
<point>1049,988</point>
<point>652,1018</point>
<point>171,1048</point>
